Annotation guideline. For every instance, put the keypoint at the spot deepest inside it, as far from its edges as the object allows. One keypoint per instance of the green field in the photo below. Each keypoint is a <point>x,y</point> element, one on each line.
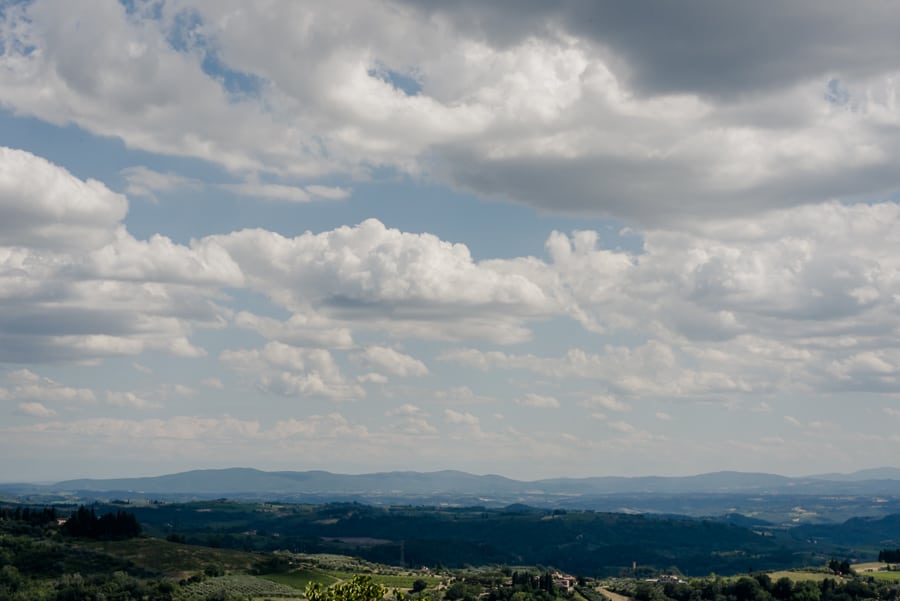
<point>800,576</point>
<point>875,569</point>
<point>248,586</point>
<point>298,579</point>
<point>883,575</point>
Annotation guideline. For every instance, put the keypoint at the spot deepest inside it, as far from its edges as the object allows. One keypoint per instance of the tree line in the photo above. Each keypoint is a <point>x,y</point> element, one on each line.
<point>889,555</point>
<point>760,587</point>
<point>85,523</point>
<point>33,517</point>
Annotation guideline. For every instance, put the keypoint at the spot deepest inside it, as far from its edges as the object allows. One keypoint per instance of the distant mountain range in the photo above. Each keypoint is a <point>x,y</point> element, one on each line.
<point>452,486</point>
<point>733,496</point>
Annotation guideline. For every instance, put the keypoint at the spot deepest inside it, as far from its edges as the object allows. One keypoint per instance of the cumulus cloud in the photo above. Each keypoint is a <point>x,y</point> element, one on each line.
<point>621,426</point>
<point>605,401</point>
<point>461,418</point>
<point>373,378</point>
<point>143,181</point>
<point>462,395</point>
<point>799,298</point>
<point>34,409</point>
<point>129,400</point>
<point>93,290</point>
<point>34,389</point>
<point>332,425</point>
<point>405,410</point>
<point>283,193</point>
<point>650,369</point>
<point>47,207</point>
<point>301,329</point>
<point>411,420</point>
<point>379,278</point>
<point>292,371</point>
<point>392,361</point>
<point>538,401</point>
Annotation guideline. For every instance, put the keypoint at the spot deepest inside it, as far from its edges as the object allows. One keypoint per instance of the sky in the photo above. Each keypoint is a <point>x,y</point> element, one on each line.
<point>535,239</point>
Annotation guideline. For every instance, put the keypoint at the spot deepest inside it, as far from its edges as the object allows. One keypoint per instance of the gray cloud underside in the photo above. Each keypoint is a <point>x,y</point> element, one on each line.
<point>701,46</point>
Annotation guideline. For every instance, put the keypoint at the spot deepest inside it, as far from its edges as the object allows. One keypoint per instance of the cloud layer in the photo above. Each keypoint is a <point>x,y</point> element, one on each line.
<point>581,107</point>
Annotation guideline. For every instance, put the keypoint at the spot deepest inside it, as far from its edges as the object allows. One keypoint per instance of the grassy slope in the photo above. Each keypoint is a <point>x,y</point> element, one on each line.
<point>174,559</point>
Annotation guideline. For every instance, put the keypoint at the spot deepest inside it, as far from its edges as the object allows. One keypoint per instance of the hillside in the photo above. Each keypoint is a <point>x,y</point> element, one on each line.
<point>585,542</point>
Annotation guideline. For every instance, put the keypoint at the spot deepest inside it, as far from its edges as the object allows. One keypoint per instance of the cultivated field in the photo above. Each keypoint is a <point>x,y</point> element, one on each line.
<point>801,576</point>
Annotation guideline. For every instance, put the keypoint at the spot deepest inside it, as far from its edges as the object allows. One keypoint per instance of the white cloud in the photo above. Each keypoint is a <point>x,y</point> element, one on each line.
<point>25,385</point>
<point>379,278</point>
<point>411,420</point>
<point>462,395</point>
<point>281,192</point>
<point>292,371</point>
<point>538,401</point>
<point>373,378</point>
<point>651,369</point>
<point>34,409</point>
<point>161,260</point>
<point>333,425</point>
<point>129,400</point>
<point>416,426</point>
<point>605,401</point>
<point>94,290</point>
<point>621,426</point>
<point>407,410</point>
<point>392,361</point>
<point>461,418</point>
<point>302,329</point>
<point>45,206</point>
<point>143,181</point>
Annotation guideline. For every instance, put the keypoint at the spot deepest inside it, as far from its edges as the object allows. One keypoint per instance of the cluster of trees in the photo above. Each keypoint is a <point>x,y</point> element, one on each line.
<point>889,555</point>
<point>760,587</point>
<point>840,567</point>
<point>520,586</point>
<point>16,586</point>
<point>33,517</point>
<point>117,525</point>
